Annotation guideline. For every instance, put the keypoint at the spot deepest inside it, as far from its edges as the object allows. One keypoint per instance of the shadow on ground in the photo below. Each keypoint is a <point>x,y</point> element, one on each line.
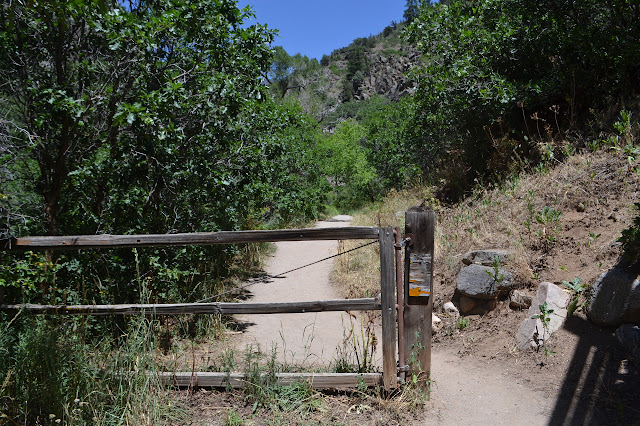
<point>602,385</point>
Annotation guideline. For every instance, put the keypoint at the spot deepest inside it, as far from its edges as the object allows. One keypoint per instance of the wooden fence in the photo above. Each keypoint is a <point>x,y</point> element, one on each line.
<point>413,316</point>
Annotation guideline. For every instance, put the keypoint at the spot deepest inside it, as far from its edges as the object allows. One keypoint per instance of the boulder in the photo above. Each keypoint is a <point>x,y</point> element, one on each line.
<point>486,257</point>
<point>556,299</point>
<point>480,282</point>
<point>615,297</point>
<point>473,306</point>
<point>629,337</point>
<point>468,304</point>
<point>519,300</point>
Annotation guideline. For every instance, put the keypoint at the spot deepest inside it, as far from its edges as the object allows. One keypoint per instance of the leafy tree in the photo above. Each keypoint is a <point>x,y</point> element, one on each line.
<point>493,65</point>
<point>291,72</point>
<point>346,164</point>
<point>388,129</point>
<point>117,103</point>
<point>412,9</point>
<point>357,66</point>
<point>150,118</point>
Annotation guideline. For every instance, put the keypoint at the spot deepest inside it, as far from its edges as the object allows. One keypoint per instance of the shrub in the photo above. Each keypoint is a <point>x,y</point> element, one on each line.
<point>630,240</point>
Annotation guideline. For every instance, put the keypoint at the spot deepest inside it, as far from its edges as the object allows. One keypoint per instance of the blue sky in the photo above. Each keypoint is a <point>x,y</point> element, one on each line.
<point>315,27</point>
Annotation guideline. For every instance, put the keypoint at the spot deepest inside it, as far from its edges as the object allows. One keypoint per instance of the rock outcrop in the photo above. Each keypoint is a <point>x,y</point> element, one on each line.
<point>387,76</point>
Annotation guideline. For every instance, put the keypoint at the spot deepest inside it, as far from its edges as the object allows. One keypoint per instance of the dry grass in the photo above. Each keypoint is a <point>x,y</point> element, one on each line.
<point>592,193</point>
<point>357,274</point>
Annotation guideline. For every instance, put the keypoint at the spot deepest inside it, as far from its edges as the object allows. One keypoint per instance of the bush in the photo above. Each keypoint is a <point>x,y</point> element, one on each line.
<point>50,374</point>
<point>630,240</point>
<point>515,71</point>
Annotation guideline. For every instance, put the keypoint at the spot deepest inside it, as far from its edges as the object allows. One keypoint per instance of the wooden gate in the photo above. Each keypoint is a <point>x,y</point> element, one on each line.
<point>417,331</point>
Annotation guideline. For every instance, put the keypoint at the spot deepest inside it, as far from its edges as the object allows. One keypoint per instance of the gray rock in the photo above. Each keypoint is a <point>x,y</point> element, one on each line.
<point>519,300</point>
<point>615,298</point>
<point>486,257</point>
<point>480,282</point>
<point>451,309</point>
<point>629,336</point>
<point>556,299</point>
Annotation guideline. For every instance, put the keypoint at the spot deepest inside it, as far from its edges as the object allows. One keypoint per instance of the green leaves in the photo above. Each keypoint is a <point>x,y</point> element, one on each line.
<point>577,288</point>
<point>346,164</point>
<point>148,118</point>
<point>491,66</point>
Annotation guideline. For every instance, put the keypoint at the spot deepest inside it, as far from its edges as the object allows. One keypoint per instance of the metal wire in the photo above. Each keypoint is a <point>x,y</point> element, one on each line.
<point>265,278</point>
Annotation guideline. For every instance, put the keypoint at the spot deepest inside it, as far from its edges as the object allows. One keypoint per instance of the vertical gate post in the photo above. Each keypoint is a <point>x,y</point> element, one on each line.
<point>418,288</point>
<point>387,299</point>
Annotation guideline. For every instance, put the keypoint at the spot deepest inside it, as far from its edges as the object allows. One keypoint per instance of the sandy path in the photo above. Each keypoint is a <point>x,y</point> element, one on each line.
<point>308,339</point>
<point>469,391</point>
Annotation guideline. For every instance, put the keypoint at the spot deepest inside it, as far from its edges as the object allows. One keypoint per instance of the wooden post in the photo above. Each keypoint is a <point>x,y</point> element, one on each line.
<point>387,299</point>
<point>420,223</point>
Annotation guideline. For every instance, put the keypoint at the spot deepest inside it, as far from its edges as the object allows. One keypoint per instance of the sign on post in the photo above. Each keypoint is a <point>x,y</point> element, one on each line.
<point>420,223</point>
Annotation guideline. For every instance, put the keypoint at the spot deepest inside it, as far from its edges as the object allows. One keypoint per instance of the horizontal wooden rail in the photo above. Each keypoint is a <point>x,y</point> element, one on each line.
<point>237,380</point>
<point>368,304</point>
<point>198,238</point>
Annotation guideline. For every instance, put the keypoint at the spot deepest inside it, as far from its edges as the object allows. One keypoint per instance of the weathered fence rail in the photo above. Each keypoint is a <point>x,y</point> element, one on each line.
<point>197,238</point>
<point>238,380</point>
<point>414,301</point>
<point>218,308</point>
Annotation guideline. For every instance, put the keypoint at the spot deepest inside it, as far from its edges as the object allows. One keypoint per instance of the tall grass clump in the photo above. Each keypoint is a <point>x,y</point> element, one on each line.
<point>49,374</point>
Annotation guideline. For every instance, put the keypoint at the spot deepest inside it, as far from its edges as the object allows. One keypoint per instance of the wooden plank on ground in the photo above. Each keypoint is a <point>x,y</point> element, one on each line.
<point>198,238</point>
<point>237,380</point>
<point>388,284</point>
<point>202,308</point>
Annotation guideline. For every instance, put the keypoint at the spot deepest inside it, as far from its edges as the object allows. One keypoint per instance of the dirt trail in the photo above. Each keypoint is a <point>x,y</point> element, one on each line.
<point>469,391</point>
<point>301,339</point>
<point>466,390</point>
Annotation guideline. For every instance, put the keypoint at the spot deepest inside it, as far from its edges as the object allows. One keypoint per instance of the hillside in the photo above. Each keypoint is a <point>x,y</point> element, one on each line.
<point>370,66</point>
<point>586,375</point>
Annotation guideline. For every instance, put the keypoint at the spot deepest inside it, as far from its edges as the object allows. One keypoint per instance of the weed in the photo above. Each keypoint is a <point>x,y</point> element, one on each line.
<point>462,323</point>
<point>414,357</point>
<point>577,289</point>
<point>233,418</point>
<point>545,318</point>
<point>359,346</point>
<point>496,274</point>
<point>548,219</point>
<point>624,126</point>
<point>593,238</point>
<point>263,390</point>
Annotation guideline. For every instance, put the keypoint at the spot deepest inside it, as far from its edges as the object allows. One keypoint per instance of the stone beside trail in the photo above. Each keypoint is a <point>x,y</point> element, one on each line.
<point>556,300</point>
<point>482,280</point>
<point>615,297</point>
